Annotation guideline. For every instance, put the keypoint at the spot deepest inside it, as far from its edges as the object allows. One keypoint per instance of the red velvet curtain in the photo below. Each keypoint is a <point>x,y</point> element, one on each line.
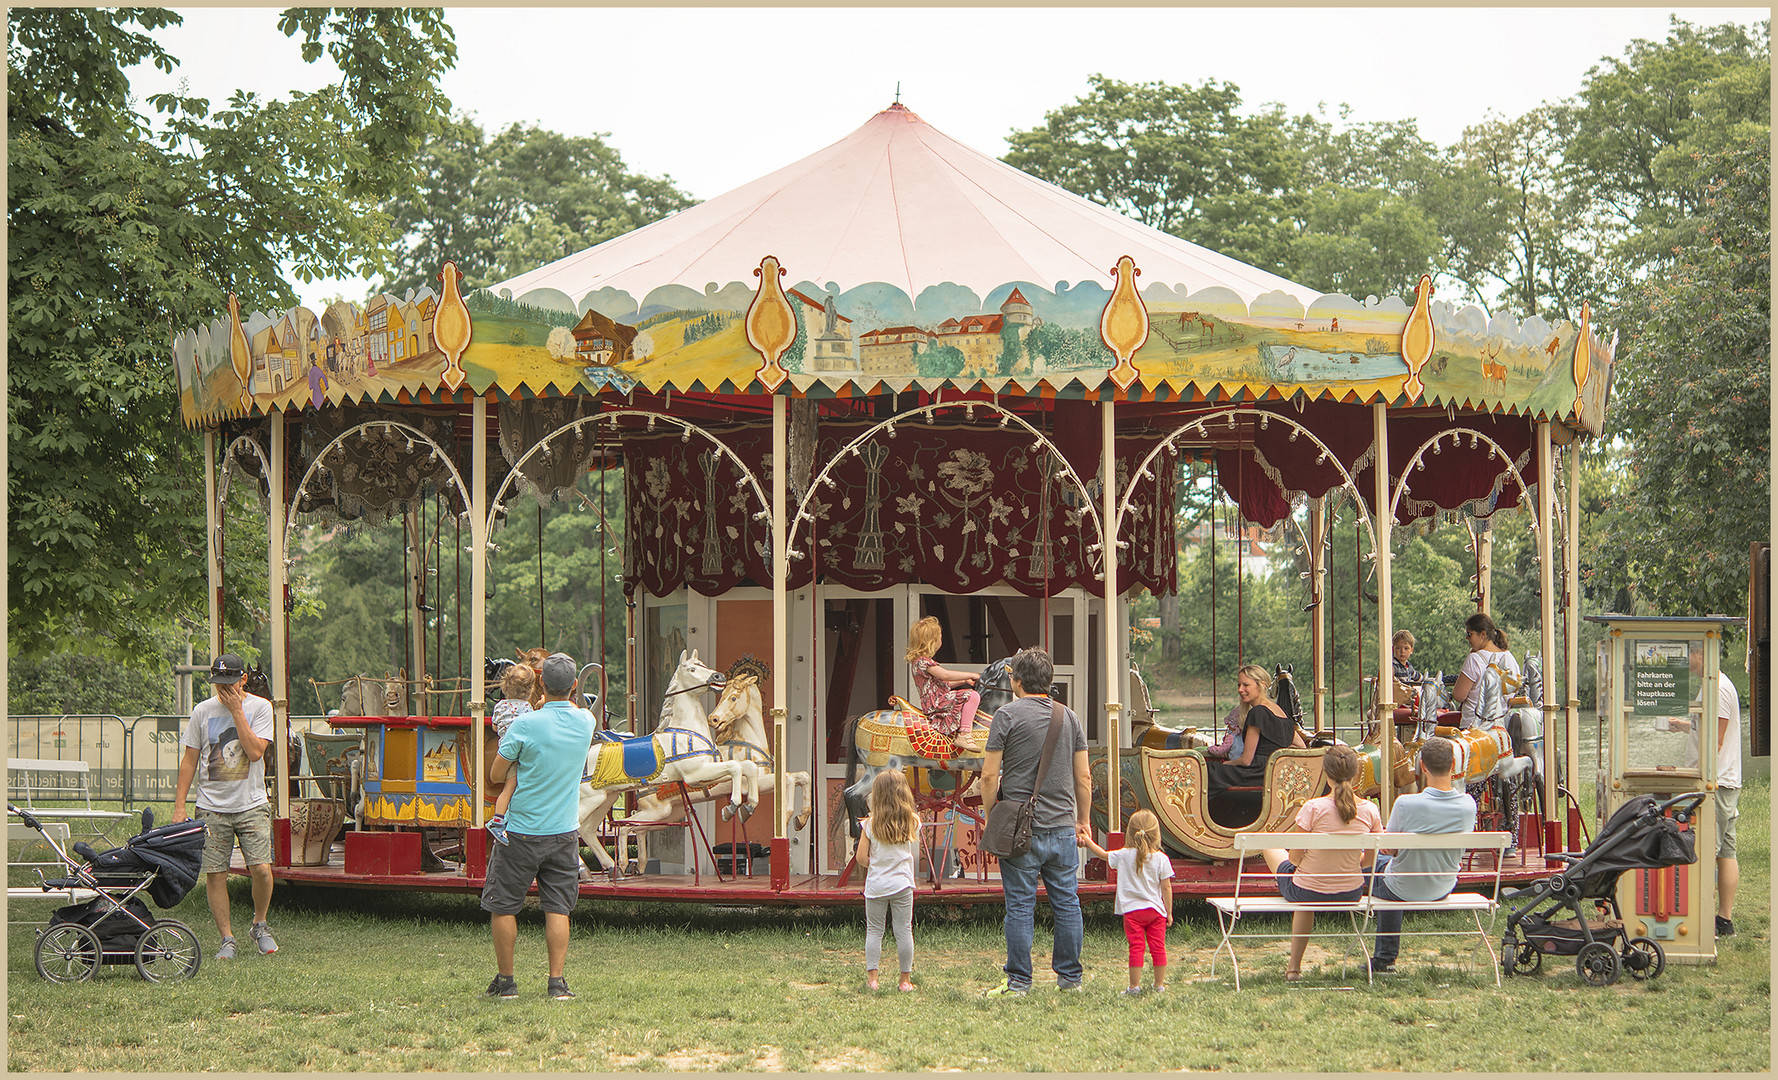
<point>958,507</point>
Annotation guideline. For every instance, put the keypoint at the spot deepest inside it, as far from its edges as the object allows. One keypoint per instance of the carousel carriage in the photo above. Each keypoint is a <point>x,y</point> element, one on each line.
<point>749,364</point>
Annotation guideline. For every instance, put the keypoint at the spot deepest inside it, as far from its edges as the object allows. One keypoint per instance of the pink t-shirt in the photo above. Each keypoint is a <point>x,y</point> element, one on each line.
<point>1333,871</point>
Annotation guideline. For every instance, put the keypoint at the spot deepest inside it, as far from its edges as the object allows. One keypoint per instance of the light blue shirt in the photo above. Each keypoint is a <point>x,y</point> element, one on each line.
<point>1421,874</point>
<point>548,746</point>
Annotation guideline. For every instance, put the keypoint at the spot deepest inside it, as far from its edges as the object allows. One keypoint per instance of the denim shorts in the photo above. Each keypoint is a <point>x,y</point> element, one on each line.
<point>1290,893</point>
<point>552,861</point>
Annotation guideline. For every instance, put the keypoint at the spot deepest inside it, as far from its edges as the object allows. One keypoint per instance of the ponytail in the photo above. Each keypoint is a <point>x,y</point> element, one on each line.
<point>1340,766</point>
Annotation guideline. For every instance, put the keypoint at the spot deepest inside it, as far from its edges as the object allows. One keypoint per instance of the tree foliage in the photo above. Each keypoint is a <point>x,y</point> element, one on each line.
<point>525,197</point>
<point>1693,399</point>
<point>121,232</point>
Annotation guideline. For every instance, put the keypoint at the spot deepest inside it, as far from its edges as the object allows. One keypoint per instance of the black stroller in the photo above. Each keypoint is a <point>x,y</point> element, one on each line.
<point>1640,836</point>
<point>115,927</point>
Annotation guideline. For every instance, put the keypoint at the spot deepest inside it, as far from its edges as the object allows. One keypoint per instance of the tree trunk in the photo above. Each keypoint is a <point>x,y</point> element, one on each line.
<point>1169,627</point>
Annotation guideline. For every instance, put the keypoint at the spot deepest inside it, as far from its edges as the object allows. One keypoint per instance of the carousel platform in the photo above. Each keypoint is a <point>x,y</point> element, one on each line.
<point>1197,880</point>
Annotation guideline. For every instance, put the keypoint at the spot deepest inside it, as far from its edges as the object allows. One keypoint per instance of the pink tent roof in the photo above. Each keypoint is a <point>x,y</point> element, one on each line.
<point>897,201</point>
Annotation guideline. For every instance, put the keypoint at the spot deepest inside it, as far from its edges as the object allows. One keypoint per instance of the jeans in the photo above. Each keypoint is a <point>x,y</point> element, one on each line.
<point>1055,856</point>
<point>1388,922</point>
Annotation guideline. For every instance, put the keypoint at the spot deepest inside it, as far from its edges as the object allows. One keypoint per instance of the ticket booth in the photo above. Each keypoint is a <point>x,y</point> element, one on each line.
<point>1656,727</point>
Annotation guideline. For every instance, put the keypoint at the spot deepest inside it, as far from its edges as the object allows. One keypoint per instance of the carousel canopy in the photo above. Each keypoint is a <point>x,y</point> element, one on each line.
<point>897,259</point>
<point>897,202</point>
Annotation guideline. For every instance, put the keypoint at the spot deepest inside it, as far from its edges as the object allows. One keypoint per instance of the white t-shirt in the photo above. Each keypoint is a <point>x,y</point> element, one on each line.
<point>1486,704</point>
<point>226,782</point>
<point>891,869</point>
<point>1728,755</point>
<point>1139,887</point>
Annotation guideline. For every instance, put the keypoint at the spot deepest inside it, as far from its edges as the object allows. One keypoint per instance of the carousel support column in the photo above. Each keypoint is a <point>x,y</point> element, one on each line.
<point>1112,625</point>
<point>1385,616</point>
<point>280,677</point>
<point>1317,620</point>
<point>476,856</point>
<point>213,553</point>
<point>1571,670</point>
<point>780,640</point>
<point>1546,586</point>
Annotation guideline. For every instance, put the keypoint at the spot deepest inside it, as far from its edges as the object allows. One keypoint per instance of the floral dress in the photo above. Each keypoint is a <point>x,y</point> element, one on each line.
<point>943,706</point>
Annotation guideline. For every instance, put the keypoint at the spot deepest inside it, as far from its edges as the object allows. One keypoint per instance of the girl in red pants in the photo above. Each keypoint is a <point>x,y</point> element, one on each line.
<point>1144,894</point>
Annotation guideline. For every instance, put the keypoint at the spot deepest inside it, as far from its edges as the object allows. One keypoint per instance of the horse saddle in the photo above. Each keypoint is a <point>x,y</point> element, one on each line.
<point>623,760</point>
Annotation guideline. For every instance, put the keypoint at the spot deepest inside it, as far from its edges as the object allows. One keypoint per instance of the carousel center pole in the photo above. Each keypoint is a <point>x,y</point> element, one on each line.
<point>1112,626</point>
<point>478,604</point>
<point>1385,616</point>
<point>280,671</point>
<point>780,640</point>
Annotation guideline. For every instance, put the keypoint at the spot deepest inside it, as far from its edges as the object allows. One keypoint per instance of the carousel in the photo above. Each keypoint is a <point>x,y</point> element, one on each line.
<point>895,379</point>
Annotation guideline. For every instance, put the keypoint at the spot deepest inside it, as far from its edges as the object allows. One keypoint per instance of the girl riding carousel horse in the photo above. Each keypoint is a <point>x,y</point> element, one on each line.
<point>949,709</point>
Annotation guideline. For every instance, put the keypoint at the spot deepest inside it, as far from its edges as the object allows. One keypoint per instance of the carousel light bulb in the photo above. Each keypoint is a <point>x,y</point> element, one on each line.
<point>1265,421</point>
<point>1293,434</point>
<point>651,425</point>
<point>889,431</point>
<point>410,444</point>
<point>763,515</point>
<point>685,436</point>
<point>969,412</point>
<point>1062,473</point>
<point>793,554</point>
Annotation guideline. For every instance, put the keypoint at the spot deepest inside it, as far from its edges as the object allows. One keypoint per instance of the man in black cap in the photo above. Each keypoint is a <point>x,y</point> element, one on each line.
<point>225,745</point>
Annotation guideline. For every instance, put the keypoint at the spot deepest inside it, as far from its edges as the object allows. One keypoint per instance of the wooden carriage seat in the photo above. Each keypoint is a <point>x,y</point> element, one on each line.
<point>1251,798</point>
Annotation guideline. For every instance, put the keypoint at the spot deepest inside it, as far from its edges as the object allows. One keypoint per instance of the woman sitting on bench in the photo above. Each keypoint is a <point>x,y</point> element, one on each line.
<point>1326,876</point>
<point>1265,730</point>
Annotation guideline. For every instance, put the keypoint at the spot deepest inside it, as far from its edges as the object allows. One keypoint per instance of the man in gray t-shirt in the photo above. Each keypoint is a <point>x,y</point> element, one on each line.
<point>1009,771</point>
<point>1421,874</point>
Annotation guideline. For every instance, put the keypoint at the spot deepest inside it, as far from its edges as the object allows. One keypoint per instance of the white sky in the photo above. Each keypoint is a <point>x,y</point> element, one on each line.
<point>716,97</point>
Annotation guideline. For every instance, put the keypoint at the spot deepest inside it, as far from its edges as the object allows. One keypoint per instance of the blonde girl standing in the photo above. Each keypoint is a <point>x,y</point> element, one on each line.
<point>888,843</point>
<point>948,705</point>
<point>1144,894</point>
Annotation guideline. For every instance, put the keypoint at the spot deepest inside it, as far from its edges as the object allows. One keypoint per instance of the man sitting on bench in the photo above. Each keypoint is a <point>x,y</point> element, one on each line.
<point>1421,874</point>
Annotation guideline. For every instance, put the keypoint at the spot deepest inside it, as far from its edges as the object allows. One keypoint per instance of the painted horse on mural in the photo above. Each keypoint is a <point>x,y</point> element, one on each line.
<point>737,726</point>
<point>681,750</point>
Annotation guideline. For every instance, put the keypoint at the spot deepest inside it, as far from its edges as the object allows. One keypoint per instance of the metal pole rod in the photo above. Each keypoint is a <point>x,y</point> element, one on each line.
<point>1546,584</point>
<point>780,630</point>
<point>478,600</point>
<point>1317,623</point>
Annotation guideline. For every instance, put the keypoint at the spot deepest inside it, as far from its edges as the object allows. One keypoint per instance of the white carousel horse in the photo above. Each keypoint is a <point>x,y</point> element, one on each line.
<point>681,750</point>
<point>737,726</point>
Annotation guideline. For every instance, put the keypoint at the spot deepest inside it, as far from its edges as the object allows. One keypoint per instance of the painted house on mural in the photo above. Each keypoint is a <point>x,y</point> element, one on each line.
<point>600,341</point>
<point>396,330</point>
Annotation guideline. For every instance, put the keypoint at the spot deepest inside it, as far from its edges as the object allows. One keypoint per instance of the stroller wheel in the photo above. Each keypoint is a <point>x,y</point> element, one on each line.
<point>1521,958</point>
<point>67,952</point>
<point>1644,958</point>
<point>1598,964</point>
<point>168,951</point>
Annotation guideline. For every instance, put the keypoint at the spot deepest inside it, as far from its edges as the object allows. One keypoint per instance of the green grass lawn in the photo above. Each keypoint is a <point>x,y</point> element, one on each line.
<point>392,981</point>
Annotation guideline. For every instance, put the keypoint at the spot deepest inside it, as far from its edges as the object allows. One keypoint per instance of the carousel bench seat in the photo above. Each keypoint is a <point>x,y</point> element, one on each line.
<point>1361,911</point>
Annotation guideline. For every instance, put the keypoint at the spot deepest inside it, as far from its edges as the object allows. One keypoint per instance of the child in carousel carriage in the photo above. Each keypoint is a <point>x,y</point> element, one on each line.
<point>516,686</point>
<point>949,706</point>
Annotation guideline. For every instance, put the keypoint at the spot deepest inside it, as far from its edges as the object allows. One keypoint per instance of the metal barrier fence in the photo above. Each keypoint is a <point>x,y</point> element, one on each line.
<point>130,760</point>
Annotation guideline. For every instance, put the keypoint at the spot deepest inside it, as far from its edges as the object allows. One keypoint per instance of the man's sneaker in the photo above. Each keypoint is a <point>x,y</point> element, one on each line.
<point>497,829</point>
<point>1066,986</point>
<point>227,952</point>
<point>1005,989</point>
<point>262,937</point>
<point>504,987</point>
<point>1725,927</point>
<point>558,989</point>
<point>1382,967</point>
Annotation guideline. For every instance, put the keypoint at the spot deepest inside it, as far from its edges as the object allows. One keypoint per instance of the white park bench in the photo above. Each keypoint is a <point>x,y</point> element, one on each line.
<point>1360,912</point>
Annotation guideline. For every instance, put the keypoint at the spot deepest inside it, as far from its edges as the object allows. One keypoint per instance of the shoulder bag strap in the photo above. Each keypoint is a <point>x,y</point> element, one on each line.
<point>1049,746</point>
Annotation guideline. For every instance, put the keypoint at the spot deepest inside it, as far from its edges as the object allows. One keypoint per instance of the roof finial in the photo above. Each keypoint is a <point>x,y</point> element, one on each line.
<point>898,91</point>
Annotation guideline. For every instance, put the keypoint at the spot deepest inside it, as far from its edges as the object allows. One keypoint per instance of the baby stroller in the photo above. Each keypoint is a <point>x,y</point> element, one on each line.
<point>115,927</point>
<point>1640,836</point>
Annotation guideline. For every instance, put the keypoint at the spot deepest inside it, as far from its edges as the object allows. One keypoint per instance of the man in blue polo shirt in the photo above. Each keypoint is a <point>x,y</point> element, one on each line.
<point>1421,874</point>
<point>548,746</point>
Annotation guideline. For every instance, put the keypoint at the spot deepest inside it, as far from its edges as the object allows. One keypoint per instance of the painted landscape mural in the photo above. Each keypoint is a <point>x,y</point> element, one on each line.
<point>1021,338</point>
